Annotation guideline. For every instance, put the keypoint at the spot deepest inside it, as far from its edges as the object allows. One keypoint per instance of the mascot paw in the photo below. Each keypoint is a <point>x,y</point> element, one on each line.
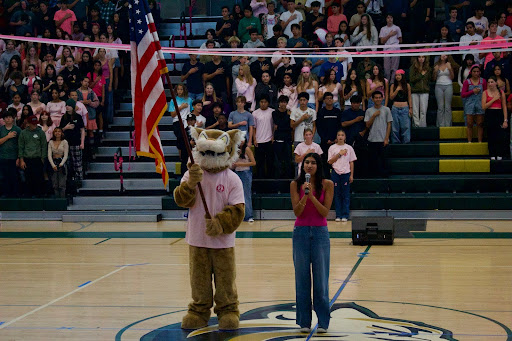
<point>213,227</point>
<point>191,321</point>
<point>229,321</point>
<point>195,174</point>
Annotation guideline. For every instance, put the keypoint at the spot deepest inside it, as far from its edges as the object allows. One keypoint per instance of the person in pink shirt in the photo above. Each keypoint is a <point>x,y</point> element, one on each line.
<point>333,21</point>
<point>56,108</point>
<point>341,157</point>
<point>311,201</point>
<point>64,18</point>
<point>306,147</point>
<point>263,139</point>
<point>492,39</point>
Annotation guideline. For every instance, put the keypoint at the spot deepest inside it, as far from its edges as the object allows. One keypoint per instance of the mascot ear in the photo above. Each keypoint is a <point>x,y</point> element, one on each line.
<point>194,132</point>
<point>237,137</point>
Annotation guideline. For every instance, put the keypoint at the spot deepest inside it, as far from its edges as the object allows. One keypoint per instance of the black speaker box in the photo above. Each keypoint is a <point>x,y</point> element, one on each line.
<point>373,230</point>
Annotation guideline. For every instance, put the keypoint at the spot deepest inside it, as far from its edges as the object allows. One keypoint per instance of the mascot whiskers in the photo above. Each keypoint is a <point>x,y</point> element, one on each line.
<point>212,240</point>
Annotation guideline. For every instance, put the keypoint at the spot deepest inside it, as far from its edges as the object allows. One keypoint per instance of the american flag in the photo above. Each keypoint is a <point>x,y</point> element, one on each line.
<point>148,95</point>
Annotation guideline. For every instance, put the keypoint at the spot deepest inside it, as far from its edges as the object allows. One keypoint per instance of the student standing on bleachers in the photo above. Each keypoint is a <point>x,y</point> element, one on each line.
<point>443,75</point>
<point>9,134</point>
<point>243,169</point>
<point>377,82</point>
<point>471,93</point>
<point>402,109</point>
<point>465,68</point>
<point>328,124</point>
<point>264,138</point>
<point>341,157</point>
<point>496,119</point>
<point>306,147</point>
<point>378,120</point>
<point>419,76</point>
<point>31,152</point>
<point>242,119</point>
<point>74,132</point>
<point>58,150</point>
<point>282,139</point>
<point>390,35</point>
<point>192,72</point>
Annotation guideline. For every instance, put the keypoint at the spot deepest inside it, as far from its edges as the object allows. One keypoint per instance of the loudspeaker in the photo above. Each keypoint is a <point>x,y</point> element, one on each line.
<point>373,230</point>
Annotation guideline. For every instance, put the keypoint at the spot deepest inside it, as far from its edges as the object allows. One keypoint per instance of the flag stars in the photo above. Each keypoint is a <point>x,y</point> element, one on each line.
<point>140,31</point>
<point>136,2</point>
<point>139,21</point>
<point>137,11</point>
<point>130,6</point>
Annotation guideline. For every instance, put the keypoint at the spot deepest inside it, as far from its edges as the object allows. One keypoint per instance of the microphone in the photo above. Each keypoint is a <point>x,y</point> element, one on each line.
<point>308,179</point>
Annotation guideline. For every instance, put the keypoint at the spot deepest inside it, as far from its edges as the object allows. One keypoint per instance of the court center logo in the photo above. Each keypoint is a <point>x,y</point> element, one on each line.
<point>349,321</point>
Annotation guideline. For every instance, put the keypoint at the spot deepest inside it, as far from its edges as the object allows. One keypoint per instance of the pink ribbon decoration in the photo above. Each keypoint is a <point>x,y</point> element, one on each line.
<point>417,49</point>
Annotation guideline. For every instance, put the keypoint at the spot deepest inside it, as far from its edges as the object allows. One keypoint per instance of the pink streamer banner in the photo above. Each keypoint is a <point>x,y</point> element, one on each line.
<point>413,50</point>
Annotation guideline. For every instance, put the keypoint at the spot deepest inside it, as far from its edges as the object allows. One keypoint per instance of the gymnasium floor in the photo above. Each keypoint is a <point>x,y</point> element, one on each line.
<point>119,281</point>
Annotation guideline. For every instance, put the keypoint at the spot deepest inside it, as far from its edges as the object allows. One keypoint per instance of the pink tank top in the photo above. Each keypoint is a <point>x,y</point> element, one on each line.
<point>310,215</point>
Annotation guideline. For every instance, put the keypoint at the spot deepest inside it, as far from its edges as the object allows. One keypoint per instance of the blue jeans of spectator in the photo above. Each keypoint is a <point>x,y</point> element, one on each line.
<point>9,178</point>
<point>193,96</point>
<point>401,126</point>
<point>246,177</point>
<point>311,255</point>
<point>316,138</point>
<point>341,194</point>
<point>108,111</point>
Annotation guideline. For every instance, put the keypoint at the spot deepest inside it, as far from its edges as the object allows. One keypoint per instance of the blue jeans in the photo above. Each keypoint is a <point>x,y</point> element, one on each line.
<point>246,177</point>
<point>401,125</point>
<point>193,96</point>
<point>311,251</point>
<point>341,194</point>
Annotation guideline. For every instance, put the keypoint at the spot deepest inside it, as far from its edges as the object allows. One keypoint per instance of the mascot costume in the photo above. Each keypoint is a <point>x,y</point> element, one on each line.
<point>212,240</point>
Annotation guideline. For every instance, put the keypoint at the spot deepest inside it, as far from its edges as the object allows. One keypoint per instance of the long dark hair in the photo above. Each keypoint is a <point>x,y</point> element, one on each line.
<point>356,82</point>
<point>380,76</point>
<point>319,176</point>
<point>403,83</point>
<point>368,26</point>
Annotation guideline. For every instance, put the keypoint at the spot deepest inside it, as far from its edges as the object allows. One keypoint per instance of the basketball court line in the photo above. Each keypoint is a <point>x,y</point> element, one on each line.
<point>2,326</point>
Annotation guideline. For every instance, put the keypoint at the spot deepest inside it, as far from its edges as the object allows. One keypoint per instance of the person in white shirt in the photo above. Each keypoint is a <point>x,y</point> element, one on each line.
<point>322,5</point>
<point>291,17</point>
<point>471,38</point>
<point>200,119</point>
<point>301,118</point>
<point>263,139</point>
<point>481,22</point>
<point>390,35</point>
<point>306,147</point>
<point>341,157</point>
<point>503,30</point>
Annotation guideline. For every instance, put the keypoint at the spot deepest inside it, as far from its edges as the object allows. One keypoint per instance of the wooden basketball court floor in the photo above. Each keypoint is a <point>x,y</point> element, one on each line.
<point>129,281</point>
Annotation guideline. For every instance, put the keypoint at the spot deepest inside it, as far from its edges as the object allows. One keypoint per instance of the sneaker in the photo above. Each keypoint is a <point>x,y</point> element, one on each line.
<point>321,330</point>
<point>251,220</point>
<point>305,330</point>
<point>344,220</point>
<point>499,158</point>
<point>338,220</point>
<point>493,158</point>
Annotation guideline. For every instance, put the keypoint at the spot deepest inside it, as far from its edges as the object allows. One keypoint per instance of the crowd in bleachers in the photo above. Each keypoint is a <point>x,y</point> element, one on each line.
<point>291,105</point>
<point>57,101</point>
<point>278,101</point>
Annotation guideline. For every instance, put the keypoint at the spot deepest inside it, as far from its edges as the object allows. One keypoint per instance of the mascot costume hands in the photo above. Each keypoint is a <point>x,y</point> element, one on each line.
<point>212,239</point>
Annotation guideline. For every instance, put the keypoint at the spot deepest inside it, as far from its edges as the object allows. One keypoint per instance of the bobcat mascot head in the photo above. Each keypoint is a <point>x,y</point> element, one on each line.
<point>216,150</point>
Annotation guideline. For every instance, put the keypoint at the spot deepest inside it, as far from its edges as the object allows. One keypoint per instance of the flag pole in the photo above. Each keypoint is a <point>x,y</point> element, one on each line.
<point>165,71</point>
<point>185,139</point>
